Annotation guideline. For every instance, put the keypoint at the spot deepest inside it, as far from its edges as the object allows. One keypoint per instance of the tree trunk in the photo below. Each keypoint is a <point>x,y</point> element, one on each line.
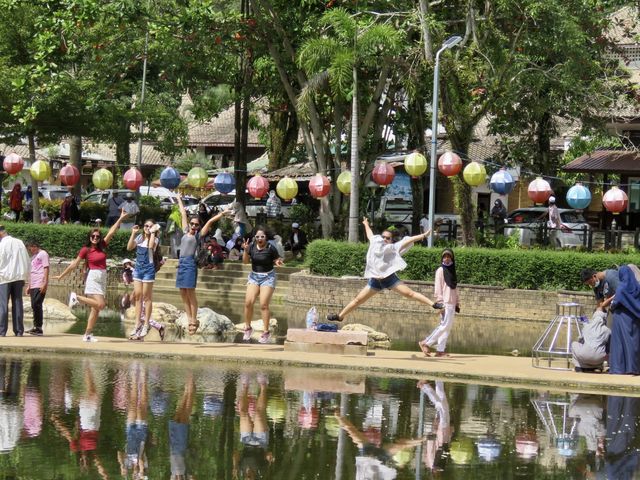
<point>75,158</point>
<point>35,200</point>
<point>283,136</point>
<point>543,162</point>
<point>354,204</point>
<point>123,147</point>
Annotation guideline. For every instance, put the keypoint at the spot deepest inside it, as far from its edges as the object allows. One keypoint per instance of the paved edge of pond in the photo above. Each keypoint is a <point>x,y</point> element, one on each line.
<point>466,368</point>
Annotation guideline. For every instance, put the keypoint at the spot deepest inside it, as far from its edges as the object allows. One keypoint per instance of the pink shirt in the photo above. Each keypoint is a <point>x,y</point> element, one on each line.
<point>39,262</point>
<point>443,292</point>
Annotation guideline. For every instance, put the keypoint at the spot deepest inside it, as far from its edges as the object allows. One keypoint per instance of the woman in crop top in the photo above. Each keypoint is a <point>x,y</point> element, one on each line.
<point>95,286</point>
<point>261,281</point>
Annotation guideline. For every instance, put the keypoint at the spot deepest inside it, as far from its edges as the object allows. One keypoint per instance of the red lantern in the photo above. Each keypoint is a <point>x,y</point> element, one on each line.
<point>449,164</point>
<point>319,186</point>
<point>539,190</point>
<point>383,174</point>
<point>615,200</point>
<point>69,175</point>
<point>13,163</point>
<point>258,186</point>
<point>132,179</point>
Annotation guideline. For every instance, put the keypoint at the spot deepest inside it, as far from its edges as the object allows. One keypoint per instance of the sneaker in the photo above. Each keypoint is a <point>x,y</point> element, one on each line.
<point>334,317</point>
<point>73,300</point>
<point>89,338</point>
<point>36,331</point>
<point>438,305</point>
<point>143,331</point>
<point>247,334</point>
<point>264,338</point>
<point>136,330</point>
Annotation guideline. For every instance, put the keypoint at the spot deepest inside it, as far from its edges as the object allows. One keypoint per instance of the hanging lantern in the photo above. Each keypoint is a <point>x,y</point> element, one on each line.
<point>383,174</point>
<point>224,182</point>
<point>501,182</point>
<point>170,178</point>
<point>539,190</point>
<point>615,200</point>
<point>102,179</point>
<point>449,164</point>
<point>415,164</point>
<point>344,182</point>
<point>132,179</point>
<point>40,171</point>
<point>13,163</point>
<point>258,186</point>
<point>69,175</point>
<point>475,174</point>
<point>319,186</point>
<point>579,196</point>
<point>197,177</point>
<point>287,188</point>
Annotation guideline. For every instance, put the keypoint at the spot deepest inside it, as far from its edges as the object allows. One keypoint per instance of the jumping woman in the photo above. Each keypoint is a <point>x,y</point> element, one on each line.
<point>384,260</point>
<point>95,287</point>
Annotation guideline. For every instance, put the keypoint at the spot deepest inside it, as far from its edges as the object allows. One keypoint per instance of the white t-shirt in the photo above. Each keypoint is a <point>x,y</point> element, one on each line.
<point>384,259</point>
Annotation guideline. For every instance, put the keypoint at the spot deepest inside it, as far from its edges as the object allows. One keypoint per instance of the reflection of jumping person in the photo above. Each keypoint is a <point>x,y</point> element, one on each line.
<point>384,260</point>
<point>179,430</point>
<point>442,423</point>
<point>134,457</point>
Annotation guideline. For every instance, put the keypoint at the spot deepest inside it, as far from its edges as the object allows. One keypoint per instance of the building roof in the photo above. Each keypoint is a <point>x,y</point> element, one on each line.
<point>297,171</point>
<point>606,161</point>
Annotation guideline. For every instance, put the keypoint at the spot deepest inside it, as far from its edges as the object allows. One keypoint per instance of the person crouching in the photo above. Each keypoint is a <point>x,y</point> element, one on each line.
<point>590,351</point>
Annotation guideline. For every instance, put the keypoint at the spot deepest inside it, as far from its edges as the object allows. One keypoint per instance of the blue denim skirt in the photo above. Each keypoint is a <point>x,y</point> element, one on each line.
<point>187,274</point>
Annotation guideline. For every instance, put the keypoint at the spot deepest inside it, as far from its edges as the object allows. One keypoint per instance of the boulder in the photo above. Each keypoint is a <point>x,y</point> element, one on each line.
<point>376,339</point>
<point>258,327</point>
<point>211,323</point>
<point>54,311</point>
<point>164,313</point>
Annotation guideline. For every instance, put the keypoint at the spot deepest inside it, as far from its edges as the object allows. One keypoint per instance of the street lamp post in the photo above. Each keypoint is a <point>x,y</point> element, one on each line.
<point>449,43</point>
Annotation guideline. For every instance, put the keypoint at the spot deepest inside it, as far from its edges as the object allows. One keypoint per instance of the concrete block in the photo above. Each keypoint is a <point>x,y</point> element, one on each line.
<point>302,335</point>
<point>323,381</point>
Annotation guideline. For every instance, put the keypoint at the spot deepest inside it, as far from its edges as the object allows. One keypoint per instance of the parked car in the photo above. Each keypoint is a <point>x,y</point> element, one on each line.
<point>527,222</point>
<point>53,192</point>
<point>218,201</point>
<point>167,197</point>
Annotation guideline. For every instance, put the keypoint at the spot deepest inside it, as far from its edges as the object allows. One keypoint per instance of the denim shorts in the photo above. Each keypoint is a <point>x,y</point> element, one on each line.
<point>146,273</point>
<point>384,283</point>
<point>262,279</point>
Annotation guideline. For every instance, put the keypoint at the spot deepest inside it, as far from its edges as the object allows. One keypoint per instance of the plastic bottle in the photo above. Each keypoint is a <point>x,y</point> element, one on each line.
<point>312,318</point>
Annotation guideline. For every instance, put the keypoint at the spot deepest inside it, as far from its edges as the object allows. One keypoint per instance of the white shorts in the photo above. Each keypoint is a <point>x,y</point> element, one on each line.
<point>96,283</point>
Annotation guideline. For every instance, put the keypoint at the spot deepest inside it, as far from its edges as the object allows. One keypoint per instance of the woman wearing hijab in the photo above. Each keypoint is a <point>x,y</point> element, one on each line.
<point>384,260</point>
<point>446,292</point>
<point>624,351</point>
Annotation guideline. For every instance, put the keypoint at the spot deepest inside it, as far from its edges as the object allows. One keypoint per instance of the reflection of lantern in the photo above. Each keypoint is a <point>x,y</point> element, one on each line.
<point>579,196</point>
<point>170,178</point>
<point>40,171</point>
<point>258,186</point>
<point>224,182</point>
<point>415,164</point>
<point>539,190</point>
<point>461,450</point>
<point>615,200</point>
<point>13,163</point>
<point>449,164</point>
<point>319,186</point>
<point>501,182</point>
<point>102,179</point>
<point>276,407</point>
<point>474,174</point>
<point>69,175</point>
<point>197,177</point>
<point>344,182</point>
<point>383,174</point>
<point>287,188</point>
<point>132,179</point>
<point>489,449</point>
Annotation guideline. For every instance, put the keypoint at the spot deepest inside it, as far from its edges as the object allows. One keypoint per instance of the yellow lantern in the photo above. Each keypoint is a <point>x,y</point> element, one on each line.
<point>287,188</point>
<point>40,171</point>
<point>474,174</point>
<point>102,179</point>
<point>415,164</point>
<point>344,182</point>
<point>197,177</point>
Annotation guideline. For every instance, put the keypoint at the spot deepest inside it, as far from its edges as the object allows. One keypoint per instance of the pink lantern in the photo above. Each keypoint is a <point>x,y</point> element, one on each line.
<point>13,163</point>
<point>539,190</point>
<point>449,164</point>
<point>258,186</point>
<point>319,186</point>
<point>615,200</point>
<point>383,174</point>
<point>132,179</point>
<point>69,175</point>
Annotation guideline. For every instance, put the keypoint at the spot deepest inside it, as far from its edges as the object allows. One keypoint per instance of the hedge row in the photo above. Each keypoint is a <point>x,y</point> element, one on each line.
<point>523,269</point>
<point>66,240</point>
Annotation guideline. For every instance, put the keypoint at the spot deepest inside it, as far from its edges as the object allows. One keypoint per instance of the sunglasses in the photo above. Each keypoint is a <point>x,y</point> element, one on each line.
<point>385,237</point>
<point>148,225</point>
<point>95,236</point>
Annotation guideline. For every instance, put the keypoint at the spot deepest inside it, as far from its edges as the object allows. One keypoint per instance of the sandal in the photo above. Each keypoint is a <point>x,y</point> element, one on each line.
<point>247,334</point>
<point>425,348</point>
<point>442,354</point>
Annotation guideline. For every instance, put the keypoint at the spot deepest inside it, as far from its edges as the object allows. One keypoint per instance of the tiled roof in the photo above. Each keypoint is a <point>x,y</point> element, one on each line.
<point>606,161</point>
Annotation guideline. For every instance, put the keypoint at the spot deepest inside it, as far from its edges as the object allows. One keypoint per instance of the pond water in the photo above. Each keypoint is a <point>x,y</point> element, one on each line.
<point>97,417</point>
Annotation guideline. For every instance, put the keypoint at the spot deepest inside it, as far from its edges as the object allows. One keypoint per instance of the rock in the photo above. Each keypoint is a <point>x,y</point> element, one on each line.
<point>54,311</point>
<point>376,339</point>
<point>162,312</point>
<point>211,323</point>
<point>258,326</point>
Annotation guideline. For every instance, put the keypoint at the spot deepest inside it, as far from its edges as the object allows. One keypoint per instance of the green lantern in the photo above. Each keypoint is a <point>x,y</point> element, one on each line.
<point>40,171</point>
<point>287,188</point>
<point>344,182</point>
<point>475,174</point>
<point>415,164</point>
<point>197,177</point>
<point>102,179</point>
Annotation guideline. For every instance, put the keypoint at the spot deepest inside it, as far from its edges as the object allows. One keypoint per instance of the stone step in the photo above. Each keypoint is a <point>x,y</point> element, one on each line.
<point>235,266</point>
<point>167,295</point>
<point>341,342</point>
<point>238,284</point>
<point>216,275</point>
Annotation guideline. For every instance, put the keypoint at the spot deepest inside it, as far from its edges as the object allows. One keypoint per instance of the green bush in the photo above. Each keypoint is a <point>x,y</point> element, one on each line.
<point>65,240</point>
<point>52,207</point>
<point>524,269</point>
<point>89,211</point>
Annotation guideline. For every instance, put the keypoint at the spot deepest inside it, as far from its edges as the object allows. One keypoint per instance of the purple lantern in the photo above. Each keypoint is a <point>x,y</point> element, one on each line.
<point>170,178</point>
<point>502,182</point>
<point>224,182</point>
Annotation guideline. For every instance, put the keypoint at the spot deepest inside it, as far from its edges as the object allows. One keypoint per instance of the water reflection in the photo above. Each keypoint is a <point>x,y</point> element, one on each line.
<point>103,418</point>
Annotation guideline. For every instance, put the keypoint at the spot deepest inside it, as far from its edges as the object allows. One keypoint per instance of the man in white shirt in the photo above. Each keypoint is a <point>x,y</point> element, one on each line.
<point>15,265</point>
<point>129,206</point>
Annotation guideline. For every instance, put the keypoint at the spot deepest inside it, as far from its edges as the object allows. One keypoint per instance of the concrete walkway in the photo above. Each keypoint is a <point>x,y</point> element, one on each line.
<point>485,369</point>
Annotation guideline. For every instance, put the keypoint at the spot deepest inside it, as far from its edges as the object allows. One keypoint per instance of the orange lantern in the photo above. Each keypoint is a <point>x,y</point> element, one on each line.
<point>319,186</point>
<point>449,164</point>
<point>13,163</point>
<point>383,174</point>
<point>132,179</point>
<point>69,175</point>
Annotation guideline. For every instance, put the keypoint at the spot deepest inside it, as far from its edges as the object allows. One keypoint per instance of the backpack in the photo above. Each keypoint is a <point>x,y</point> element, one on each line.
<point>158,259</point>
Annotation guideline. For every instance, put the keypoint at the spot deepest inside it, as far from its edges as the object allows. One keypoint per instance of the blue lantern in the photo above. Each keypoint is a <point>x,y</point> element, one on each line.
<point>170,178</point>
<point>579,197</point>
<point>224,182</point>
<point>502,182</point>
